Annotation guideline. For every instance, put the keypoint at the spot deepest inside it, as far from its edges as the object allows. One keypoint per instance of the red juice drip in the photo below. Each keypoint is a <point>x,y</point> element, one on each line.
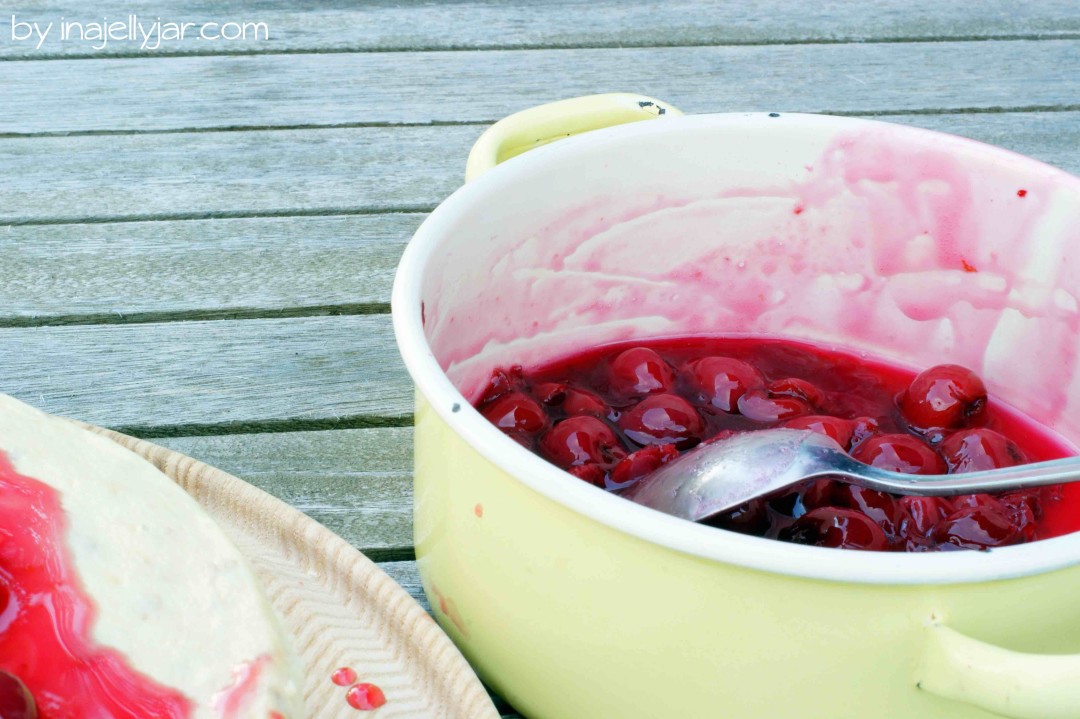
<point>343,677</point>
<point>365,696</point>
<point>46,619</point>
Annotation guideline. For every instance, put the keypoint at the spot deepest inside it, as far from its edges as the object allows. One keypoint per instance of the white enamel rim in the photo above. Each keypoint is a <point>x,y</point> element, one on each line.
<point>647,524</point>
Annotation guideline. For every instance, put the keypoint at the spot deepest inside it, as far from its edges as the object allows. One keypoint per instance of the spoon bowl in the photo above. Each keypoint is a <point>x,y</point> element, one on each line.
<point>722,474</point>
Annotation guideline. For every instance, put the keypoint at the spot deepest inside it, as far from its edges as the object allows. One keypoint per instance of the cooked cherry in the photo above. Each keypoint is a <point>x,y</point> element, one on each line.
<point>818,493</point>
<point>786,503</point>
<point>570,400</point>
<point>748,518</point>
<point>580,440</point>
<point>973,450</point>
<point>640,371</point>
<point>899,453</point>
<point>987,501</point>
<point>836,527</point>
<point>1028,499</point>
<point>591,473</point>
<point>515,412</point>
<point>663,419</point>
<point>642,462</point>
<point>920,515</point>
<point>840,430</point>
<point>721,381</point>
<point>878,506</point>
<point>757,405</point>
<point>501,382</point>
<point>16,702</point>
<point>1024,511</point>
<point>943,397</point>
<point>977,527</point>
<point>863,428</point>
<point>798,388</point>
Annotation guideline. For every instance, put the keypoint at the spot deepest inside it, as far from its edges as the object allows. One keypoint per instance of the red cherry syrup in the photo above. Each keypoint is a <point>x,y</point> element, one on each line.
<point>612,415</point>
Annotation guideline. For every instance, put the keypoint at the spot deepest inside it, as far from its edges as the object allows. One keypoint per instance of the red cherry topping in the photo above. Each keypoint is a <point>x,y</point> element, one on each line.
<point>978,527</point>
<point>612,416</point>
<point>365,697</point>
<point>515,412</point>
<point>640,371</point>
<point>840,430</point>
<point>973,450</point>
<point>721,381</point>
<point>757,405</point>
<point>663,419</point>
<point>943,397</point>
<point>642,462</point>
<point>836,527</point>
<point>580,440</point>
<point>15,699</point>
<point>899,453</point>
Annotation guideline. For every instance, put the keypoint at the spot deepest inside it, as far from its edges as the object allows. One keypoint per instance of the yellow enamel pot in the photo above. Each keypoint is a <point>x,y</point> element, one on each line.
<point>909,245</point>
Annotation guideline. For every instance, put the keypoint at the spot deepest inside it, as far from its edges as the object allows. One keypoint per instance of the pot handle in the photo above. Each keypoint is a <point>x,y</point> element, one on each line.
<point>540,125</point>
<point>1012,684</point>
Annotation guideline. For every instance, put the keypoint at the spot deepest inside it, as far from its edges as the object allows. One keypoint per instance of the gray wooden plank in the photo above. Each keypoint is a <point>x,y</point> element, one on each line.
<point>322,371</point>
<point>356,482</point>
<point>322,171</point>
<point>221,172</point>
<point>538,23</point>
<point>126,271</point>
<point>405,574</point>
<point>146,94</point>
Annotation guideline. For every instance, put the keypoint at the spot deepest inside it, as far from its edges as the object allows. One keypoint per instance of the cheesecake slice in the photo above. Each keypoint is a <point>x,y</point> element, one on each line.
<point>119,596</point>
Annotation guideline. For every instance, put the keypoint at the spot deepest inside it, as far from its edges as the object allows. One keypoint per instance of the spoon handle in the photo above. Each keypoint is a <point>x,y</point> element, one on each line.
<point>1038,474</point>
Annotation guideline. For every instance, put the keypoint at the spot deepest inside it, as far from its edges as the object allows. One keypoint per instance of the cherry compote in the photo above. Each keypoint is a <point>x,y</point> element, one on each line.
<point>613,415</point>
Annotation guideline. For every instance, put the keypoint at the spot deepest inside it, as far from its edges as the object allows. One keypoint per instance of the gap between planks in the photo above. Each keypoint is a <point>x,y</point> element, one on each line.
<point>484,123</point>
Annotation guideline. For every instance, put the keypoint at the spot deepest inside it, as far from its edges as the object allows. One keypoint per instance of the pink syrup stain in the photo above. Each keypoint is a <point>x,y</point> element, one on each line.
<point>231,701</point>
<point>878,260</point>
<point>450,610</point>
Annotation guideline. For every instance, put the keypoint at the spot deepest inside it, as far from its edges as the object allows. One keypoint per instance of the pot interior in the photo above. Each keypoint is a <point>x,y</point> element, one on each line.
<point>915,247</point>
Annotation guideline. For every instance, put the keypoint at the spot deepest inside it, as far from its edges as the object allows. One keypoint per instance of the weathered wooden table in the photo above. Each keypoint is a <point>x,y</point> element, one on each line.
<point>197,242</point>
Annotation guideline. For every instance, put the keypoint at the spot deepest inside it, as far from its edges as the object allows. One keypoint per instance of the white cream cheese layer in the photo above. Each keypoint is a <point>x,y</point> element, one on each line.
<point>172,593</point>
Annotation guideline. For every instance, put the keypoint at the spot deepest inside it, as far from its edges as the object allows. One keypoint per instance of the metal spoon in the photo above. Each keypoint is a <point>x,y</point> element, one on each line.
<point>721,475</point>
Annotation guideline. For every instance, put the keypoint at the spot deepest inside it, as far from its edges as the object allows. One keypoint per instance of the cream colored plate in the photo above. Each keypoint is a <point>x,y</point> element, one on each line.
<point>338,606</point>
